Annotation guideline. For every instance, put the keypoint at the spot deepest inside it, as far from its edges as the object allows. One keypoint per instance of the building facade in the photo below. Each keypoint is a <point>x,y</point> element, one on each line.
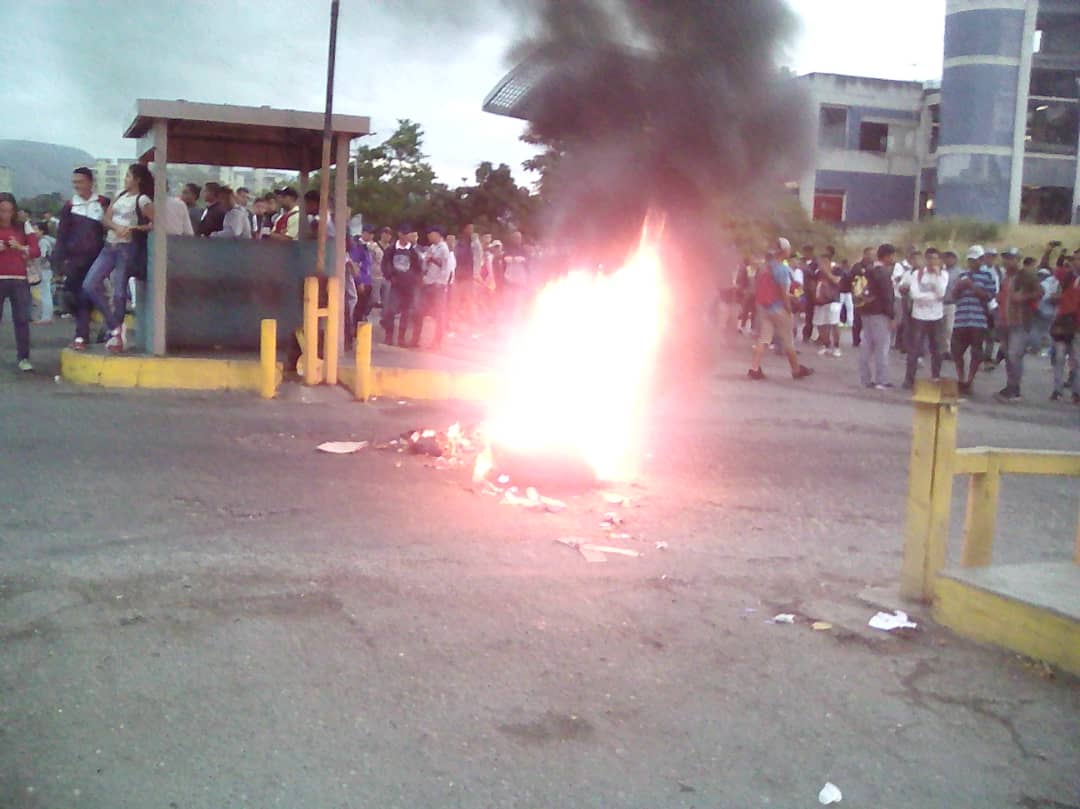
<point>109,175</point>
<point>996,141</point>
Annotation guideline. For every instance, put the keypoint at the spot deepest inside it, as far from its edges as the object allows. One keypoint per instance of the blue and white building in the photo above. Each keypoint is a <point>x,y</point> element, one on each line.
<point>996,140</point>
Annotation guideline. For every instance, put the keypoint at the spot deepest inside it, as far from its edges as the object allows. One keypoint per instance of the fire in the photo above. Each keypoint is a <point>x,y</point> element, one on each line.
<point>575,378</point>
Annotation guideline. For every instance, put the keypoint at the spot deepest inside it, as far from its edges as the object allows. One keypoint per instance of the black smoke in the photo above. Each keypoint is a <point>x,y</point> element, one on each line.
<point>675,106</point>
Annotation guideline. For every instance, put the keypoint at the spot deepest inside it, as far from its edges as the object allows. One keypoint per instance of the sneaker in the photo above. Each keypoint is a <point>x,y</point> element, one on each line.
<point>824,352</point>
<point>1076,398</point>
<point>25,366</point>
<point>1006,395</point>
<point>836,352</point>
<point>882,387</point>
<point>115,343</point>
<point>755,373</point>
<point>964,388</point>
<point>802,373</point>
<point>78,344</point>
<point>1056,396</point>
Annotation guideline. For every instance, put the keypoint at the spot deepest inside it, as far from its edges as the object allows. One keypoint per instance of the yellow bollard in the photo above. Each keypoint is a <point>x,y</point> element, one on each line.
<point>312,375</point>
<point>933,445</point>
<point>268,358</point>
<point>362,387</point>
<point>980,523</point>
<point>334,306</point>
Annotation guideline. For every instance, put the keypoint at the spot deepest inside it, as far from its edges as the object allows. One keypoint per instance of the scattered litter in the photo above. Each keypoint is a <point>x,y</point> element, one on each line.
<point>621,537</point>
<point>503,480</point>
<point>402,402</point>
<point>57,379</point>
<point>595,553</point>
<point>397,464</point>
<point>661,546</point>
<point>886,622</point>
<point>532,500</point>
<point>830,793</point>
<point>782,618</point>
<point>615,499</point>
<point>341,447</point>
<point>821,626</point>
<point>749,609</point>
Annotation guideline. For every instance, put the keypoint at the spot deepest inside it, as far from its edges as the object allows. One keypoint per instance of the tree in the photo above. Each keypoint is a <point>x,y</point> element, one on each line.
<point>43,203</point>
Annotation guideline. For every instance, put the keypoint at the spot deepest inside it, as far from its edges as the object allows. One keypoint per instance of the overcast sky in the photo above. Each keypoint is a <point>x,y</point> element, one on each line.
<point>75,67</point>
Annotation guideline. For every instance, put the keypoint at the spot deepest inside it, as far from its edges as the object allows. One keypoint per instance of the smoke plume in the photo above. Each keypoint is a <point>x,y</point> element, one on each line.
<point>675,106</point>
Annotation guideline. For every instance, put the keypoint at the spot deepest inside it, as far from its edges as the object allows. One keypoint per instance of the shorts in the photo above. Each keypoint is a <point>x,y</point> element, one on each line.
<point>968,337</point>
<point>777,324</point>
<point>827,314</point>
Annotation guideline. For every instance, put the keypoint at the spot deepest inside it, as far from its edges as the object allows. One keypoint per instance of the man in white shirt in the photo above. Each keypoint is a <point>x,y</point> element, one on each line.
<point>926,288</point>
<point>437,270</point>
<point>177,218</point>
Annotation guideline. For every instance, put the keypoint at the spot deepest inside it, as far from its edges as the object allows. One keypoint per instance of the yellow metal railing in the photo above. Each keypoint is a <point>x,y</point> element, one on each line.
<point>935,462</point>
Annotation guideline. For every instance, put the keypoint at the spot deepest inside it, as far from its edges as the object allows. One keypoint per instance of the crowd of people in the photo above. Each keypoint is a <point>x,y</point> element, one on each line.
<point>87,257</point>
<point>998,307</point>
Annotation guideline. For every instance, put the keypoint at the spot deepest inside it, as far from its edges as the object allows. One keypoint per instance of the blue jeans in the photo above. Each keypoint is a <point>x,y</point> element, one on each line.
<point>874,350</point>
<point>18,292</point>
<point>432,304</point>
<point>1015,341</point>
<point>113,261</point>
<point>1065,352</point>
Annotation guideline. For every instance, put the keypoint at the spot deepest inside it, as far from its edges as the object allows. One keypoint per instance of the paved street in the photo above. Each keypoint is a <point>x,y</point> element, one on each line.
<point>198,610</point>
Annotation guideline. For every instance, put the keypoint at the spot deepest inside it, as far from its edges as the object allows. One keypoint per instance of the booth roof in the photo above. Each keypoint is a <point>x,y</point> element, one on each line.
<point>227,135</point>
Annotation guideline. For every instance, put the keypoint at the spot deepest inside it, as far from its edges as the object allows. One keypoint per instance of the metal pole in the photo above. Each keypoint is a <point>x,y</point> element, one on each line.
<point>327,135</point>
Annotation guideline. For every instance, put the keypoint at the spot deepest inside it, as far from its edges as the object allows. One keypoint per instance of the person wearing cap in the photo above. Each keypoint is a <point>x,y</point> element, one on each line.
<point>1065,327</point>
<point>772,295</point>
<point>401,264</point>
<point>287,225</point>
<point>1019,296</point>
<point>972,292</point>
<point>992,354</point>
<point>877,306</point>
<point>436,276</point>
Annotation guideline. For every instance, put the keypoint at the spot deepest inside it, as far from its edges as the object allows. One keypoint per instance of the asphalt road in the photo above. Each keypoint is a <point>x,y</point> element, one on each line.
<point>197,611</point>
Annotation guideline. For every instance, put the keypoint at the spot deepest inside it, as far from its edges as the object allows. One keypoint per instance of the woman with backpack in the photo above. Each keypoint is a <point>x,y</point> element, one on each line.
<point>17,247</point>
<point>127,221</point>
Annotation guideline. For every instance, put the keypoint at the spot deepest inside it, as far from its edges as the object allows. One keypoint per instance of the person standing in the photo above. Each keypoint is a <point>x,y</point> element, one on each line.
<point>213,215</point>
<point>79,239</point>
<point>827,308</point>
<point>1017,300</point>
<point>17,247</point>
<point>857,276</point>
<point>287,225</point>
<point>952,272</point>
<point>468,254</point>
<point>810,279</point>
<point>877,307</point>
<point>130,213</point>
<point>43,264</point>
<point>401,264</point>
<point>772,295</point>
<point>973,290</point>
<point>926,289</point>
<point>1065,327</point>
<point>515,289</point>
<point>190,196</point>
<point>437,270</point>
<point>237,223</point>
<point>177,220</point>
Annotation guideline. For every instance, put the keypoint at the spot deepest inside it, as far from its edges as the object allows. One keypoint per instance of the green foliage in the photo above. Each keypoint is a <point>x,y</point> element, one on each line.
<point>43,203</point>
<point>395,184</point>
<point>953,231</point>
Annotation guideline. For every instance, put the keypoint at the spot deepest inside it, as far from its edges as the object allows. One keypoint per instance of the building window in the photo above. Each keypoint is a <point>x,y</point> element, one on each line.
<point>828,206</point>
<point>833,134</point>
<point>1054,83</point>
<point>935,126</point>
<point>873,137</point>
<point>1052,126</point>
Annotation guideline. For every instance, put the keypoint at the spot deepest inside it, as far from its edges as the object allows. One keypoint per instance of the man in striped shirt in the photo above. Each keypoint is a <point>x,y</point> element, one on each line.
<point>974,289</point>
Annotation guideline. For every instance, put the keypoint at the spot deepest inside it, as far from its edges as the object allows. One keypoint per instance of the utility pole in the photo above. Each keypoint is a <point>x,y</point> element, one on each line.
<point>324,174</point>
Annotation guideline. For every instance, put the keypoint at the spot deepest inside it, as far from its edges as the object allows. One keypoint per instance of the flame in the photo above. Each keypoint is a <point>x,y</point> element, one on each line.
<point>575,377</point>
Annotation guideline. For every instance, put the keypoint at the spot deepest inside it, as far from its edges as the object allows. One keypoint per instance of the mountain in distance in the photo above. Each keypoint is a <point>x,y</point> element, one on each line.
<point>41,168</point>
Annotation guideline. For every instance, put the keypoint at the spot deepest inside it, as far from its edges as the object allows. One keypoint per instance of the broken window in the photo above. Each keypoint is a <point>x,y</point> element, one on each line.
<point>833,134</point>
<point>873,137</point>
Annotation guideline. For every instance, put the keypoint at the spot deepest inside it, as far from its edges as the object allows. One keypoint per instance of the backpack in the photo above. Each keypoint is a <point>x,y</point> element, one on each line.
<point>766,290</point>
<point>861,293</point>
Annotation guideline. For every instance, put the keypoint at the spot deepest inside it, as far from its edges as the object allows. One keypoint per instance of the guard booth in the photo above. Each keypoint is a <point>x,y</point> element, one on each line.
<point>210,294</point>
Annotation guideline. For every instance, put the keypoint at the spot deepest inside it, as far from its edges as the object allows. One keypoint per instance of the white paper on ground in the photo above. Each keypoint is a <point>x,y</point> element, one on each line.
<point>783,618</point>
<point>830,793</point>
<point>898,620</point>
<point>341,447</point>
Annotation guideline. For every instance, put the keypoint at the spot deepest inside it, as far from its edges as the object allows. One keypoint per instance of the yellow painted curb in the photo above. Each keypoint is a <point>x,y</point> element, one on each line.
<point>990,618</point>
<point>160,373</point>
<point>420,383</point>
